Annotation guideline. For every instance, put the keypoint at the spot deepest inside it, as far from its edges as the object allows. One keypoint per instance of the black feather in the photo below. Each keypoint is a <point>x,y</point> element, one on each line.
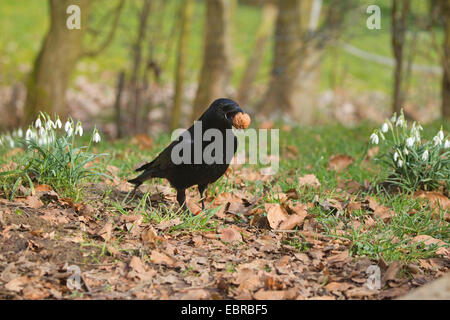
<point>220,116</point>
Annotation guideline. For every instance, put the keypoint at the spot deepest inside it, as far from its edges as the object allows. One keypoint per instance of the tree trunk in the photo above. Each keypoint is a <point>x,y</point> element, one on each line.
<point>61,49</point>
<point>446,62</point>
<point>269,14</point>
<point>400,9</point>
<point>180,73</point>
<point>53,66</point>
<point>216,70</point>
<point>136,88</point>
<point>284,82</point>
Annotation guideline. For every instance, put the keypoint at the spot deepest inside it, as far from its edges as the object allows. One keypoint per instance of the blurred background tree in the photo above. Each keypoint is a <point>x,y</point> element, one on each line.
<point>61,49</point>
<point>146,66</point>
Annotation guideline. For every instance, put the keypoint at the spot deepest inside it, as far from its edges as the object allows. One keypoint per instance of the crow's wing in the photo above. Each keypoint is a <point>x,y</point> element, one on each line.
<point>163,161</point>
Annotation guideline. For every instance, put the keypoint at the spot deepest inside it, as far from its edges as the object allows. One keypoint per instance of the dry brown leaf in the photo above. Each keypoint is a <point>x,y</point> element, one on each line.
<point>291,222</point>
<point>269,295</point>
<point>248,279</point>
<point>309,180</point>
<point>339,162</point>
<point>339,257</point>
<point>436,199</point>
<point>106,231</point>
<point>32,202</point>
<point>137,265</point>
<point>197,294</point>
<point>361,292</point>
<point>43,188</point>
<point>338,286</point>
<point>150,236</point>
<point>230,235</point>
<point>276,214</point>
<point>32,293</point>
<point>428,240</point>
<point>143,141</point>
<point>392,271</point>
<point>161,258</point>
<point>17,284</point>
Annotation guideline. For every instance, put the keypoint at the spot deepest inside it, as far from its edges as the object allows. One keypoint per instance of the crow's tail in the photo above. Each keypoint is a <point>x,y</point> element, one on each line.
<point>140,179</point>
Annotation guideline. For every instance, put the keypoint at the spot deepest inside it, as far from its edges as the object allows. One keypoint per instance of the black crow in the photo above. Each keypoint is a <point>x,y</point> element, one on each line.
<point>220,116</point>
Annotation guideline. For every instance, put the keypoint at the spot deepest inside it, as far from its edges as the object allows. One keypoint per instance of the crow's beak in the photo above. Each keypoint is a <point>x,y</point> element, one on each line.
<point>231,112</point>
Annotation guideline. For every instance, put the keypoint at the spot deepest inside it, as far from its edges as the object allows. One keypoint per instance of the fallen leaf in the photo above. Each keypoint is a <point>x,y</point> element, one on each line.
<point>161,258</point>
<point>291,222</point>
<point>436,199</point>
<point>143,141</point>
<point>17,284</point>
<point>276,214</point>
<point>149,235</point>
<point>137,265</point>
<point>338,286</point>
<point>309,180</point>
<point>339,162</point>
<point>269,295</point>
<point>230,235</point>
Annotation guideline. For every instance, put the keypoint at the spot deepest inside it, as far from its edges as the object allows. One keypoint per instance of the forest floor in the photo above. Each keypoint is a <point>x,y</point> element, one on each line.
<point>319,228</point>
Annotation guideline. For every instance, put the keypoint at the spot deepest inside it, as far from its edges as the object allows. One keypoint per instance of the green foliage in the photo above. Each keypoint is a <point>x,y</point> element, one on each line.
<point>412,163</point>
<point>54,157</point>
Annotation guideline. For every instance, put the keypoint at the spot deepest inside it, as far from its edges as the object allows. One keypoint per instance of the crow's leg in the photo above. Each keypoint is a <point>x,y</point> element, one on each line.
<point>136,186</point>
<point>181,198</point>
<point>201,189</point>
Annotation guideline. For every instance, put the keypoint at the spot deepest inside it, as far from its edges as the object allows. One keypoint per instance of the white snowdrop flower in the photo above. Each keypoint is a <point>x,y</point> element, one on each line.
<point>405,151</point>
<point>394,118</point>
<point>79,129</point>
<point>41,131</point>
<point>67,126</point>
<point>437,140</point>
<point>441,135</point>
<point>38,123</point>
<point>384,127</point>
<point>11,143</point>
<point>400,163</point>
<point>425,155</point>
<point>395,156</point>
<point>447,144</point>
<point>410,142</point>
<point>399,122</point>
<point>29,134</point>
<point>20,133</point>
<point>96,138</point>
<point>49,124</point>
<point>374,138</point>
<point>58,124</point>
<point>420,127</point>
<point>69,131</point>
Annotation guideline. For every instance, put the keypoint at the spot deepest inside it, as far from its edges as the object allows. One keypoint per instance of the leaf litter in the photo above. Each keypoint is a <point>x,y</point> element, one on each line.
<point>279,252</point>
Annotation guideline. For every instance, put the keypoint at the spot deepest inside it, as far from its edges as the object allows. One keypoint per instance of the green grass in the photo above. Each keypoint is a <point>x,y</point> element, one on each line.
<point>390,240</point>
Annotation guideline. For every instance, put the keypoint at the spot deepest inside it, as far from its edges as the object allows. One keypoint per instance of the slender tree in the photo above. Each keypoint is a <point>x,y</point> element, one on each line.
<point>216,69</point>
<point>182,53</point>
<point>400,10</point>
<point>265,30</point>
<point>61,49</point>
<point>446,60</point>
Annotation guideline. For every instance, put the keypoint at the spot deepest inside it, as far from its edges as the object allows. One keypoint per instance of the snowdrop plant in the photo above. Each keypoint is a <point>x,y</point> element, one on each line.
<point>412,162</point>
<point>53,155</point>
